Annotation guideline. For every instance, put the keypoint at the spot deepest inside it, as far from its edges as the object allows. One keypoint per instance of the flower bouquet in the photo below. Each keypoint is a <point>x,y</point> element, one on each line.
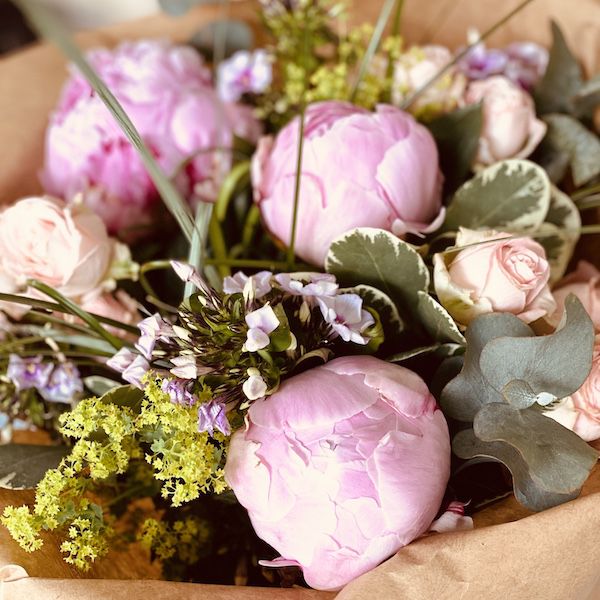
<point>283,311</point>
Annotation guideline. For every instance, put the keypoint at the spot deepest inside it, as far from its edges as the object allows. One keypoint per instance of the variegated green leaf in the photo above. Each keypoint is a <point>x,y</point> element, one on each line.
<point>437,321</point>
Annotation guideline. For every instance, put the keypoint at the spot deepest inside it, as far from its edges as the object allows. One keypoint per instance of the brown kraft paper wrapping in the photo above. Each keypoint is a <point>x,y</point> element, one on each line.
<point>512,554</point>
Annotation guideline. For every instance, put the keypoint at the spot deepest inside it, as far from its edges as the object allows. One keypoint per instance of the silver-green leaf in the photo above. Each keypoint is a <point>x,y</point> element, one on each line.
<point>23,466</point>
<point>436,320</point>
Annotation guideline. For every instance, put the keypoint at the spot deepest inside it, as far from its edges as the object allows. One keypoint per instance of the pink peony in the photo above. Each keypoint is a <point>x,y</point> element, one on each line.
<point>580,412</point>
<point>359,169</point>
<point>584,282</point>
<point>510,127</point>
<point>342,466</point>
<point>505,275</point>
<point>167,93</point>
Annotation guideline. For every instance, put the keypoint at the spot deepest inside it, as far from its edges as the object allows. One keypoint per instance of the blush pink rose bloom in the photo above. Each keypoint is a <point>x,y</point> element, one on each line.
<point>584,282</point>
<point>66,247</point>
<point>580,412</point>
<point>166,90</point>
<point>505,275</point>
<point>510,127</point>
<point>342,466</point>
<point>359,169</point>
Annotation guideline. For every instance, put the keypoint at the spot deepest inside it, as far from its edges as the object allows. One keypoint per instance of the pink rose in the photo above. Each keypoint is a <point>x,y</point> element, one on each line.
<point>508,275</point>
<point>66,247</point>
<point>580,412</point>
<point>342,466</point>
<point>359,169</point>
<point>119,307</point>
<point>166,90</point>
<point>510,127</point>
<point>584,282</point>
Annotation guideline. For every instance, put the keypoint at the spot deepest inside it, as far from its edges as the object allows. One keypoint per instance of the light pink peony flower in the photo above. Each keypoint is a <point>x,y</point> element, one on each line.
<point>580,412</point>
<point>509,275</point>
<point>342,466</point>
<point>510,127</point>
<point>359,169</point>
<point>584,282</point>
<point>167,93</point>
<point>66,247</point>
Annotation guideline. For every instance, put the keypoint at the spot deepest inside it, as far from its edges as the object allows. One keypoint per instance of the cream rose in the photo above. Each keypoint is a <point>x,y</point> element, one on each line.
<point>503,275</point>
<point>510,127</point>
<point>66,247</point>
<point>580,412</point>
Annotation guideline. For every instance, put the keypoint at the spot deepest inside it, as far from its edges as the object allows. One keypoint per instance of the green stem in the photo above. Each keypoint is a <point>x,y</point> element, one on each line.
<point>408,101</point>
<point>584,192</point>
<point>589,202</point>
<point>197,255</point>
<point>384,15</point>
<point>218,245</point>
<point>291,256</point>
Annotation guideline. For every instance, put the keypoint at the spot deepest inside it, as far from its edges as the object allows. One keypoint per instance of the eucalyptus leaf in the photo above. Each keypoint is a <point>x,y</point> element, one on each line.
<point>377,258</point>
<point>518,394</point>
<point>436,320</point>
<point>464,395</point>
<point>457,138</point>
<point>124,395</point>
<point>587,98</point>
<point>231,35</point>
<point>579,143</point>
<point>557,364</point>
<point>512,194</point>
<point>99,385</point>
<point>23,466</point>
<point>562,79</point>
<point>528,491</point>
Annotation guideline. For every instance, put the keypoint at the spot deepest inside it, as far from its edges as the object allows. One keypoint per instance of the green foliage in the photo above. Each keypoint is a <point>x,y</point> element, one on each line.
<point>23,466</point>
<point>508,375</point>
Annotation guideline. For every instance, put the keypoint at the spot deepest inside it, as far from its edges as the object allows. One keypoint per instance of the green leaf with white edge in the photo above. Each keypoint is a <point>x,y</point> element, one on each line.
<point>383,305</point>
<point>377,258</point>
<point>559,249</point>
<point>562,79</point>
<point>440,350</point>
<point>549,463</point>
<point>564,214</point>
<point>581,145</point>
<point>556,364</point>
<point>23,466</point>
<point>99,385</point>
<point>124,395</point>
<point>512,194</point>
<point>465,394</point>
<point>457,138</point>
<point>436,320</point>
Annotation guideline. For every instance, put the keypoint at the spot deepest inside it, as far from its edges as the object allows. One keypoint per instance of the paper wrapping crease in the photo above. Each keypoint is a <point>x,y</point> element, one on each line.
<point>554,555</point>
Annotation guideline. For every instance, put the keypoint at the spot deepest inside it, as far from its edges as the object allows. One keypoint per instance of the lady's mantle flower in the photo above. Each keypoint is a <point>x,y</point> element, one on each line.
<point>245,72</point>
<point>213,415</point>
<point>261,323</point>
<point>346,316</point>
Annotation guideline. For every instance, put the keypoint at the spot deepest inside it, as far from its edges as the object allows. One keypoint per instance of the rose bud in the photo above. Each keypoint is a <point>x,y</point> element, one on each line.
<point>359,169</point>
<point>510,127</point>
<point>580,412</point>
<point>342,466</point>
<point>167,92</point>
<point>503,275</point>
<point>584,282</point>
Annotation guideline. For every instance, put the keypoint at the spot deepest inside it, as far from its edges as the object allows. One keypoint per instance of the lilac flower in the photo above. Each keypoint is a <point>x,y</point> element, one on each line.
<point>179,391</point>
<point>261,323</point>
<point>257,286</point>
<point>213,415</point>
<point>310,285</point>
<point>63,384</point>
<point>346,316</point>
<point>26,373</point>
<point>245,72</point>
<point>254,387</point>
<point>153,329</point>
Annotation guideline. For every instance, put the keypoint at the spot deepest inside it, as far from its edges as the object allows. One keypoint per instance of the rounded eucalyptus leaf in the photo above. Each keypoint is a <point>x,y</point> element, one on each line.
<point>557,364</point>
<point>124,395</point>
<point>509,195</point>
<point>230,35</point>
<point>22,466</point>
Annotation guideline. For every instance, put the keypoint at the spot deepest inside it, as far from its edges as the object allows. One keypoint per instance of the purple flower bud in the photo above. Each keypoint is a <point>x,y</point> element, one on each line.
<point>213,415</point>
<point>63,384</point>
<point>179,391</point>
<point>28,373</point>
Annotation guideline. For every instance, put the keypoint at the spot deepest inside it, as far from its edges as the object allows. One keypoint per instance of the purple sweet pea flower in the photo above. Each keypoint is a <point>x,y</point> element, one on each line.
<point>63,384</point>
<point>481,62</point>
<point>258,285</point>
<point>346,316</point>
<point>245,72</point>
<point>134,373</point>
<point>213,415</point>
<point>26,373</point>
<point>261,323</point>
<point>179,392</point>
